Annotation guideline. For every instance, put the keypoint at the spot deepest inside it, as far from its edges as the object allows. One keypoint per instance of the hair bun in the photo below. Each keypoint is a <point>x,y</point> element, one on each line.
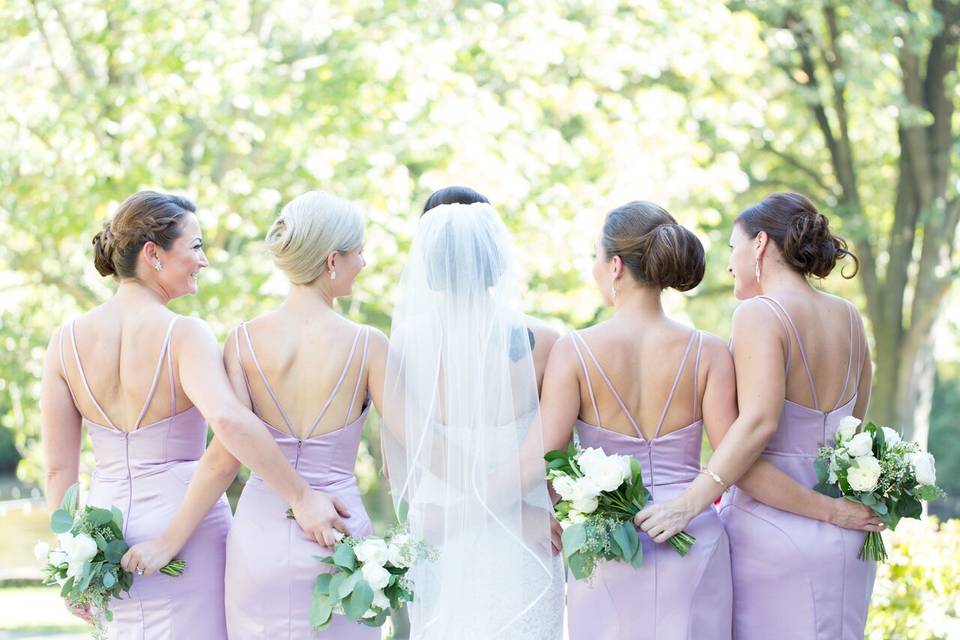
<point>809,246</point>
<point>103,251</point>
<point>656,250</point>
<point>800,231</point>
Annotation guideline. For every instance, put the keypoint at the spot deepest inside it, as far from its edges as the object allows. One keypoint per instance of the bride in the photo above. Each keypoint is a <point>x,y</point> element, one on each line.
<point>460,397</point>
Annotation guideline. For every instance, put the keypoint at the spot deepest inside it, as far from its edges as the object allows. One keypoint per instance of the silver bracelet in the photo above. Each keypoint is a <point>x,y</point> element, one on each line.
<point>715,477</point>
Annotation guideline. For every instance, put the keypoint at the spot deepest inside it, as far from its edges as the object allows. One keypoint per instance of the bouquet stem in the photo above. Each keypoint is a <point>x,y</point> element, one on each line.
<point>174,568</point>
<point>682,542</point>
<point>873,548</point>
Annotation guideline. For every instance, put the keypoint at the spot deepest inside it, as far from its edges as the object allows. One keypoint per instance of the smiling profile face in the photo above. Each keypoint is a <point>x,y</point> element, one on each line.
<point>183,261</point>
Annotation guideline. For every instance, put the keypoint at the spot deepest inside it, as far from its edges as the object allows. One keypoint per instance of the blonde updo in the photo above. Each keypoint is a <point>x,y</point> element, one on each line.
<point>309,229</point>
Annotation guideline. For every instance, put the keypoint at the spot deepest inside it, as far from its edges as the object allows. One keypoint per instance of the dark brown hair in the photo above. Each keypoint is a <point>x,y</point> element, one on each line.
<point>453,195</point>
<point>656,250</point>
<point>800,231</point>
<point>146,216</point>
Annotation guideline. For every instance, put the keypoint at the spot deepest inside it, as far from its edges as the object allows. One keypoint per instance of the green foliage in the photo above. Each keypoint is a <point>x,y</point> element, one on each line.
<point>915,597</point>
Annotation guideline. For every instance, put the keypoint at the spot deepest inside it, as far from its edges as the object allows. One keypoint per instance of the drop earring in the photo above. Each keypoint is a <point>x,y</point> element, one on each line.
<point>157,265</point>
<point>756,271</point>
<point>333,275</point>
<point>613,293</point>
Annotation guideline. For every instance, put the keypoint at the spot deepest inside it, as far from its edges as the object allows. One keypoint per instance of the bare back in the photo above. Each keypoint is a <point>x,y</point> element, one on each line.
<point>652,368</point>
<point>822,334</point>
<point>304,378</point>
<point>121,358</point>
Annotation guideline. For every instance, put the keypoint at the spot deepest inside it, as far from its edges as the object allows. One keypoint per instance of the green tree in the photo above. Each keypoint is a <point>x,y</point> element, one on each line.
<point>861,100</point>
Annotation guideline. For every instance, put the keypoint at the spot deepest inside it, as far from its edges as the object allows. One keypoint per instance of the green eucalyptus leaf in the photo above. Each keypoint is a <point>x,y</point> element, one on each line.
<point>357,603</point>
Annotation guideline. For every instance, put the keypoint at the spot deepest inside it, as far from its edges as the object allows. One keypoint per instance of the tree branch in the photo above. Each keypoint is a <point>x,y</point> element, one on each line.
<point>49,47</point>
<point>82,59</point>
<point>796,163</point>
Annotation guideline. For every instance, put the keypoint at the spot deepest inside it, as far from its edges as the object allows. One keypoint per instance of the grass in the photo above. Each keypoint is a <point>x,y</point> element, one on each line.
<point>37,611</point>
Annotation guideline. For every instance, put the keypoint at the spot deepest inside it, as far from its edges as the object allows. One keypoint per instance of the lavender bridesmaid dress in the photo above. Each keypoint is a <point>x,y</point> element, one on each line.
<point>670,597</point>
<point>144,473</point>
<point>271,568</point>
<point>795,578</point>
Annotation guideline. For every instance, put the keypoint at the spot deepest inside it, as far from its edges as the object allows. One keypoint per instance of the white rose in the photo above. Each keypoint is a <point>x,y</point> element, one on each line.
<point>380,600</point>
<point>66,542</point>
<point>58,557</point>
<point>924,467</point>
<point>75,569</point>
<point>610,473</point>
<point>864,473</point>
<point>372,550</point>
<point>890,436</point>
<point>375,575</point>
<point>563,485</point>
<point>860,445</point>
<point>84,549</point>
<point>397,554</point>
<point>41,551</point>
<point>585,495</point>
<point>589,459</point>
<point>847,427</point>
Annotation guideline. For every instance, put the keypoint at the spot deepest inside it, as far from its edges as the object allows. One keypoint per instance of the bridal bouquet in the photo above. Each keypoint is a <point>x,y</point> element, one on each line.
<point>369,579</point>
<point>877,468</point>
<point>599,495</point>
<point>86,564</point>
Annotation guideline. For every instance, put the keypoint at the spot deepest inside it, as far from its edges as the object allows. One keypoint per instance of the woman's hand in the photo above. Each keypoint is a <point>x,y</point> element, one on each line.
<point>664,520</point>
<point>852,515</point>
<point>146,558</point>
<point>319,515</point>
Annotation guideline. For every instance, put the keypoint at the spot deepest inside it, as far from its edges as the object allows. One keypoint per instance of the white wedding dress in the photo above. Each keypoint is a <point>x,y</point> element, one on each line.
<point>462,437</point>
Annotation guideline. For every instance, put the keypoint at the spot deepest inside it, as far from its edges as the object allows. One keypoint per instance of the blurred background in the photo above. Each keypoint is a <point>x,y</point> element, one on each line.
<point>556,110</point>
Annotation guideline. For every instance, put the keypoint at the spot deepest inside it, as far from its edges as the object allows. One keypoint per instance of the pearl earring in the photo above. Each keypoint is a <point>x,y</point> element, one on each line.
<point>157,265</point>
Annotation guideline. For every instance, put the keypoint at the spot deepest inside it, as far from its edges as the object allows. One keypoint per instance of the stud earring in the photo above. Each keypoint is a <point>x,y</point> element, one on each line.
<point>157,265</point>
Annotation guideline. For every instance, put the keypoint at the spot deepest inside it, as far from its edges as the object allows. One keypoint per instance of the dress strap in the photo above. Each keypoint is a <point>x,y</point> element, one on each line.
<point>266,383</point>
<point>786,332</point>
<point>613,390</point>
<point>164,349</point>
<point>846,379</point>
<point>63,368</point>
<point>83,378</point>
<point>803,352</point>
<point>696,378</point>
<point>363,363</point>
<point>336,388</point>
<point>586,376</point>
<point>243,371</point>
<point>173,389</point>
<point>676,382</point>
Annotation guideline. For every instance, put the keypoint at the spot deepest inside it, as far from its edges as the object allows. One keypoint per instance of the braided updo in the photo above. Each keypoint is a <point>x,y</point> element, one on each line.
<point>146,216</point>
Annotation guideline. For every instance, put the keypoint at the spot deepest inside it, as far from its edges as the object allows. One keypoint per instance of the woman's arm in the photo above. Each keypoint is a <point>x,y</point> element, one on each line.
<point>768,484</point>
<point>205,382</point>
<point>60,427</point>
<point>719,410</point>
<point>560,396</point>
<point>213,475</point>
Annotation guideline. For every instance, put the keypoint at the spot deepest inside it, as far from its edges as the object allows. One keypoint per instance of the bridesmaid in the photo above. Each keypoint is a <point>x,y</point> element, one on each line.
<point>308,373</point>
<point>143,380</point>
<point>644,385</point>
<point>802,361</point>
